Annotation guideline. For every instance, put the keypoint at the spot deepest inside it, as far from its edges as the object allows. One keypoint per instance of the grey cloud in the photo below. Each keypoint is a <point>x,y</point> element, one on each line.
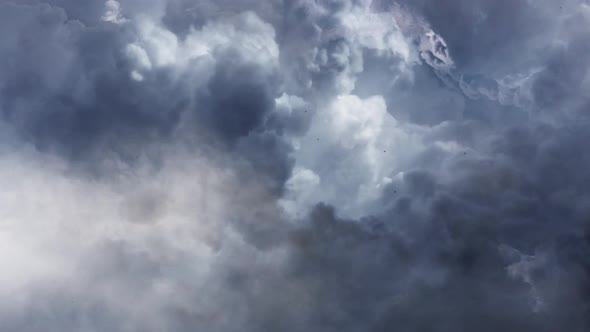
<point>67,88</point>
<point>238,99</point>
<point>560,84</point>
<point>487,33</point>
<point>485,40</point>
<point>80,100</point>
<point>457,181</point>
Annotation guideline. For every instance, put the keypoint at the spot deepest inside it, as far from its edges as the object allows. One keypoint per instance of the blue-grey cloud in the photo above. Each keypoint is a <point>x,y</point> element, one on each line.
<point>334,165</point>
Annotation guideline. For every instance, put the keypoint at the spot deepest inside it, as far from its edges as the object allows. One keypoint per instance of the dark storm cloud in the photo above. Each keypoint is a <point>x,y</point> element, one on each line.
<point>561,83</point>
<point>485,242</point>
<point>67,88</point>
<point>488,32</point>
<point>484,227</point>
<point>238,99</point>
<point>487,42</point>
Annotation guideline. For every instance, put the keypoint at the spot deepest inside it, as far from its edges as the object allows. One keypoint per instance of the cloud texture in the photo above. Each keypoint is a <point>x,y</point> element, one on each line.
<point>294,165</point>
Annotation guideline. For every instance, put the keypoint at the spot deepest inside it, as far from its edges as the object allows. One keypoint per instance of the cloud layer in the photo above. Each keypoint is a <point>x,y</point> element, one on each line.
<point>294,165</point>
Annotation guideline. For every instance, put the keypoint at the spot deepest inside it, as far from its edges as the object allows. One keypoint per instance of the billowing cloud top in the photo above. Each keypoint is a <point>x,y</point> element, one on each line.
<point>294,165</point>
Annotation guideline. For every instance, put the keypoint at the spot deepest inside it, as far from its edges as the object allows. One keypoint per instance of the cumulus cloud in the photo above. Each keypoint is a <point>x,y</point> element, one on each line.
<point>333,165</point>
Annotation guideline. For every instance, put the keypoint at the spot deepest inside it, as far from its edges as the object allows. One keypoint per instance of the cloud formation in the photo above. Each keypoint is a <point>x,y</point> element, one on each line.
<point>294,165</point>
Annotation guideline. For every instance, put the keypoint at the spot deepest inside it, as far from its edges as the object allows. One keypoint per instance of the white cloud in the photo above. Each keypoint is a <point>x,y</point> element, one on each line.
<point>61,231</point>
<point>353,148</point>
<point>113,12</point>
<point>156,47</point>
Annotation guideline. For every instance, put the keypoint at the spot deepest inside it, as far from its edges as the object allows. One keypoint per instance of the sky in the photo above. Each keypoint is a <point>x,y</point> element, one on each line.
<point>294,165</point>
